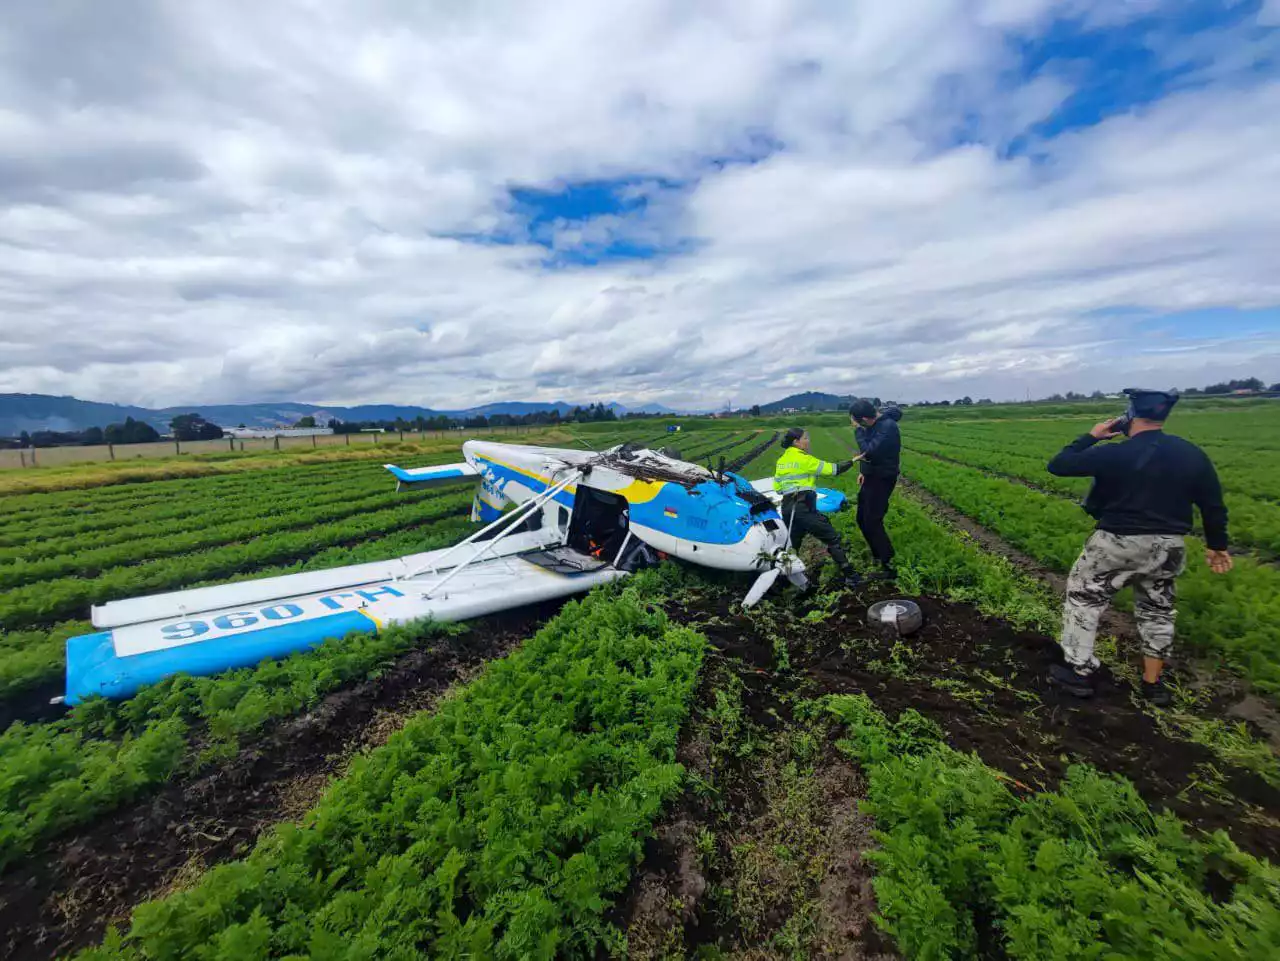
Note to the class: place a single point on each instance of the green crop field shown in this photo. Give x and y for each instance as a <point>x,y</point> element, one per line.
<point>649,771</point>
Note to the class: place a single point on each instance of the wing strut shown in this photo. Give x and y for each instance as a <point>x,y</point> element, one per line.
<point>516,515</point>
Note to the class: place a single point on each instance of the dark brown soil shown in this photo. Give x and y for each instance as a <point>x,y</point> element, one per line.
<point>63,897</point>
<point>33,706</point>
<point>986,684</point>
<point>763,856</point>
<point>1113,622</point>
<point>1228,694</point>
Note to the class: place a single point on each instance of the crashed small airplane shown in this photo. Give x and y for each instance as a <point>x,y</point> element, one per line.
<point>578,519</point>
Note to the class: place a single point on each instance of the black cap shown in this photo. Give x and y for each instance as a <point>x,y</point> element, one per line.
<point>1151,404</point>
<point>792,435</point>
<point>862,408</point>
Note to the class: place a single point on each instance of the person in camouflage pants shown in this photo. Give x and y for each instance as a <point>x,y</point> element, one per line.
<point>1150,563</point>
<point>1144,494</point>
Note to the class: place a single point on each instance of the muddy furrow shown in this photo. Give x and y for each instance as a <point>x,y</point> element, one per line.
<point>1230,695</point>
<point>763,855</point>
<point>986,684</point>
<point>63,896</point>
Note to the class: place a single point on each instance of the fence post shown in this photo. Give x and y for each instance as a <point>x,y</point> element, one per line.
<point>231,444</point>
<point>111,451</point>
<point>177,446</point>
<point>402,437</point>
<point>313,441</point>
<point>33,457</point>
<point>22,456</point>
<point>375,438</point>
<point>348,437</point>
<point>277,442</point>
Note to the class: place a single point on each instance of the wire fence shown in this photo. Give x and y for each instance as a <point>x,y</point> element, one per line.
<point>60,456</point>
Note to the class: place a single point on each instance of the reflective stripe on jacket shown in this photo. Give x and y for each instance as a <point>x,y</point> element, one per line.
<point>798,471</point>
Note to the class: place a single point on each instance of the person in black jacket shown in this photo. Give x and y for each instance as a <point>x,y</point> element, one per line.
<point>1142,498</point>
<point>880,445</point>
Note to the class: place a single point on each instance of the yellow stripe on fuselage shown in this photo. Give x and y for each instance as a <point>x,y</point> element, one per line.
<point>636,492</point>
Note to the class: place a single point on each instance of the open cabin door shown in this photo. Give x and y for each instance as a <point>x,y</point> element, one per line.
<point>599,524</point>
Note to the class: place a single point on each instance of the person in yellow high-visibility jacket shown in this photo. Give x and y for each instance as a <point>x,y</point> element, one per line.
<point>796,479</point>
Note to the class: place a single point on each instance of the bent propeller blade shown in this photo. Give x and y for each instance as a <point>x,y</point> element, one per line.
<point>760,587</point>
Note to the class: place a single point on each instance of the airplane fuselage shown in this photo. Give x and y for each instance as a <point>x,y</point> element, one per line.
<point>677,508</point>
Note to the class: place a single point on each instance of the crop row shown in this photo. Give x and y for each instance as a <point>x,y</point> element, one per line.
<point>706,444</point>
<point>966,868</point>
<point>70,508</point>
<point>1256,430</point>
<point>1254,523</point>
<point>31,658</point>
<point>500,826</point>
<point>1235,616</point>
<point>759,445</point>
<point>75,505</point>
<point>62,598</point>
<point>933,558</point>
<point>115,557</point>
<point>68,772</point>
<point>165,519</point>
<point>82,477</point>
<point>1241,471</point>
<point>1045,438</point>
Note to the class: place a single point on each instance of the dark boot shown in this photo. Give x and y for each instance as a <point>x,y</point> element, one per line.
<point>886,573</point>
<point>1156,693</point>
<point>850,579</point>
<point>1071,681</point>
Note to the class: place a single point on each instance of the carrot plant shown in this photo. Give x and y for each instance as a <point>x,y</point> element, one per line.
<point>1089,871</point>
<point>65,597</point>
<point>1234,617</point>
<point>502,825</point>
<point>103,753</point>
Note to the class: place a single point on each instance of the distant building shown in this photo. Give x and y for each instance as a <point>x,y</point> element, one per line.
<point>248,433</point>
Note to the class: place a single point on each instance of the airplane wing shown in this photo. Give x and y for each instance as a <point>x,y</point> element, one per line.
<point>437,476</point>
<point>829,501</point>
<point>206,630</point>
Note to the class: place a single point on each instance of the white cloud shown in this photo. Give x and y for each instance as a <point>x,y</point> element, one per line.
<point>221,201</point>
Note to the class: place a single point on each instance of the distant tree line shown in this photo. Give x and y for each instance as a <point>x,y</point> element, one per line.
<point>184,427</point>
<point>1253,384</point>
<point>592,413</point>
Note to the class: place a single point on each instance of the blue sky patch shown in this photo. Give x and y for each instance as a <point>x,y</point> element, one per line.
<point>1117,68</point>
<point>1213,323</point>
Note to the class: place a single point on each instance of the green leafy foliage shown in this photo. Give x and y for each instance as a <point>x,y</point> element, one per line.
<point>102,754</point>
<point>70,596</point>
<point>499,826</point>
<point>1236,617</point>
<point>1085,872</point>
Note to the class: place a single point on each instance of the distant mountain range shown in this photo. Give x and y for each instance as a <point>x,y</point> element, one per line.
<point>33,412</point>
<point>809,399</point>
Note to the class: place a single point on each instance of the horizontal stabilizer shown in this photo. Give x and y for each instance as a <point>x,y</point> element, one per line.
<point>829,501</point>
<point>436,476</point>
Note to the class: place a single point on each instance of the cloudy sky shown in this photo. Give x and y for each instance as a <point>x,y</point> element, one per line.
<point>452,203</point>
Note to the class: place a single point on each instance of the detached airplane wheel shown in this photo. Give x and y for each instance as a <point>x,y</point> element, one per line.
<point>900,616</point>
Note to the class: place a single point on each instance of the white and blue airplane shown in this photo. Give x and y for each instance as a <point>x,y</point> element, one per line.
<point>578,519</point>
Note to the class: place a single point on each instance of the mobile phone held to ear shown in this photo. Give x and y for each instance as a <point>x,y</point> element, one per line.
<point>1122,424</point>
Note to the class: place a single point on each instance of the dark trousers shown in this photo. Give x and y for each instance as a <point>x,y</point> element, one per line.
<point>803,517</point>
<point>873,504</point>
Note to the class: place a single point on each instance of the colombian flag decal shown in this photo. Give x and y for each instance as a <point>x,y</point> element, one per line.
<point>670,512</point>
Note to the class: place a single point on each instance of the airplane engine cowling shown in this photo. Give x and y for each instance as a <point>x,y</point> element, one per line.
<point>488,503</point>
